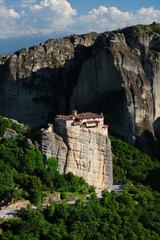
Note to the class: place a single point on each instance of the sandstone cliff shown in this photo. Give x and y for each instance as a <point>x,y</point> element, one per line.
<point>83,152</point>
<point>117,73</point>
<point>53,145</point>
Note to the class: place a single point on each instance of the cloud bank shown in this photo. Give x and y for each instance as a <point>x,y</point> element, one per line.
<point>29,17</point>
<point>103,19</point>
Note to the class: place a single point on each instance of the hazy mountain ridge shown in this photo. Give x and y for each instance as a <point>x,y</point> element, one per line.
<point>11,45</point>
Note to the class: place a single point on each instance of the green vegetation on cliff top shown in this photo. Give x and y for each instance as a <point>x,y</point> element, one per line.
<point>135,31</point>
<point>141,29</point>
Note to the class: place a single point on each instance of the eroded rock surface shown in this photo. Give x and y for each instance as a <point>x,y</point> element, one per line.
<point>83,152</point>
<point>36,82</point>
<point>10,134</point>
<point>53,145</point>
<point>117,73</point>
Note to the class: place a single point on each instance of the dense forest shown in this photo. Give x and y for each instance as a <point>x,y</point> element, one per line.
<point>132,215</point>
<point>23,173</point>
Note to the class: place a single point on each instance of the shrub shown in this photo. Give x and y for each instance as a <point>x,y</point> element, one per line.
<point>52,163</point>
<point>4,124</point>
<point>64,195</point>
<point>36,197</point>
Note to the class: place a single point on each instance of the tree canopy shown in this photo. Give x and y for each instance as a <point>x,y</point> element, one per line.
<point>132,215</point>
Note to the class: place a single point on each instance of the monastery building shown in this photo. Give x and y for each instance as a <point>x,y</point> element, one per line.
<point>89,120</point>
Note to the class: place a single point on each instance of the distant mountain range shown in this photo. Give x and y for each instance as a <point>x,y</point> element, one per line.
<point>11,45</point>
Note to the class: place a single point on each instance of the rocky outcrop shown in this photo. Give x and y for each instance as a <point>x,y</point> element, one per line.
<point>28,142</point>
<point>89,155</point>
<point>53,145</point>
<point>10,134</point>
<point>83,152</point>
<point>116,73</point>
<point>52,197</point>
<point>17,205</point>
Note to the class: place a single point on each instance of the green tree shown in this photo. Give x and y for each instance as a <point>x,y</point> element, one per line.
<point>52,163</point>
<point>4,124</point>
<point>6,179</point>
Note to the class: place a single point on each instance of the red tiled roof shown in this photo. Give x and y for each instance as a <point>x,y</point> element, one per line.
<point>64,117</point>
<point>79,116</point>
<point>105,126</point>
<point>88,115</point>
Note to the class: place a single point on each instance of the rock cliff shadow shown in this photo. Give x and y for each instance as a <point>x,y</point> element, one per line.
<point>113,104</point>
<point>38,97</point>
<point>153,179</point>
<point>156,127</point>
<point>147,143</point>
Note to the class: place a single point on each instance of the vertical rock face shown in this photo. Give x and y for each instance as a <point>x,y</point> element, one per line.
<point>84,152</point>
<point>53,145</point>
<point>89,155</point>
<point>117,73</point>
<point>115,80</point>
<point>36,82</point>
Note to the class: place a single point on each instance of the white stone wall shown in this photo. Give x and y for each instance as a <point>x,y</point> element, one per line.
<point>62,125</point>
<point>69,123</point>
<point>94,119</point>
<point>92,124</point>
<point>105,131</point>
<point>50,128</point>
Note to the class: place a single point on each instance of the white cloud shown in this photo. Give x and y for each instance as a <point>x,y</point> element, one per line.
<point>57,13</point>
<point>8,19</point>
<point>103,19</point>
<point>6,13</point>
<point>33,16</point>
<point>35,7</point>
<point>27,3</point>
<point>23,13</point>
<point>47,16</point>
<point>50,15</point>
<point>100,11</point>
<point>13,14</point>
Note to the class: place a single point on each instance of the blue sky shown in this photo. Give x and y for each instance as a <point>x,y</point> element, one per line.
<point>84,6</point>
<point>23,17</point>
